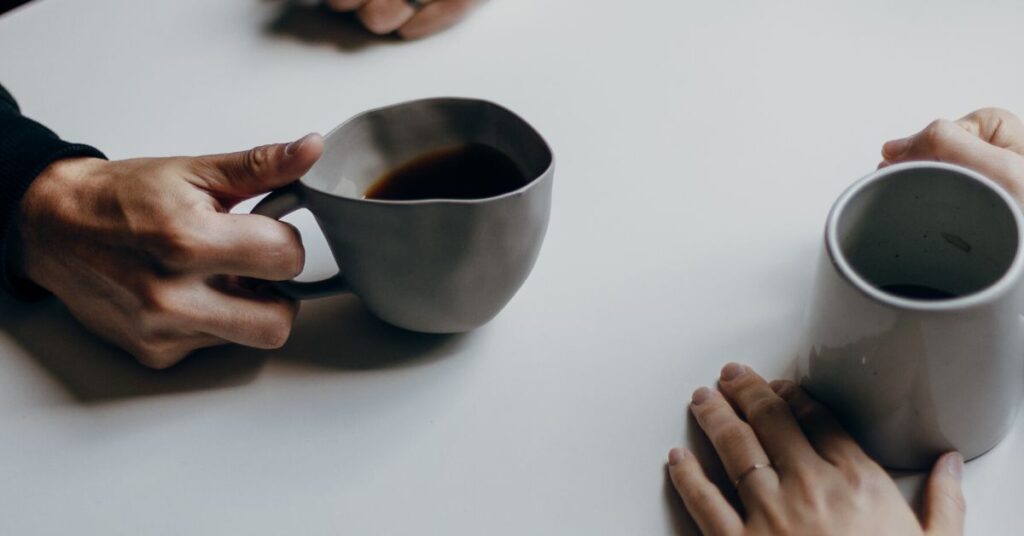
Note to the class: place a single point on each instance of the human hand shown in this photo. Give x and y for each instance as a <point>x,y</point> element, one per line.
<point>145,254</point>
<point>412,19</point>
<point>797,471</point>
<point>990,141</point>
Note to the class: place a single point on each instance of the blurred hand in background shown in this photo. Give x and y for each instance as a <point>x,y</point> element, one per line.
<point>411,19</point>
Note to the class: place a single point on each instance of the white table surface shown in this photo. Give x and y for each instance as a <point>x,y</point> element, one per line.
<point>699,147</point>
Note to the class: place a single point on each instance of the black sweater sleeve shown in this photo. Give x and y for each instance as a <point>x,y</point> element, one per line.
<point>26,148</point>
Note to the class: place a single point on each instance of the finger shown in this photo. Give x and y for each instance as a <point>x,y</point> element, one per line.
<point>713,514</point>
<point>237,244</point>
<point>436,16</point>
<point>166,350</point>
<point>735,443</point>
<point>159,349</point>
<point>997,126</point>
<point>250,319</point>
<point>946,141</point>
<point>824,431</point>
<point>345,5</point>
<point>235,176</point>
<point>944,505</point>
<point>385,16</point>
<point>256,246</point>
<point>771,419</point>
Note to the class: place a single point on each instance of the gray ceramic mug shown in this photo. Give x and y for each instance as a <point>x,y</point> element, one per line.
<point>914,330</point>
<point>431,265</point>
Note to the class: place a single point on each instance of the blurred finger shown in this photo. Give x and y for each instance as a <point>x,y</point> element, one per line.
<point>997,126</point>
<point>946,141</point>
<point>436,16</point>
<point>736,445</point>
<point>345,5</point>
<point>944,505</point>
<point>825,433</point>
<point>385,16</point>
<point>713,514</point>
<point>770,417</point>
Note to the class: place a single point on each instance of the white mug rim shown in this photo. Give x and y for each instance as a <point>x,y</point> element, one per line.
<point>996,290</point>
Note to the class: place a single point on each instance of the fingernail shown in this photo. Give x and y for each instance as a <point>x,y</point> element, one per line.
<point>675,456</point>
<point>954,463</point>
<point>894,148</point>
<point>701,396</point>
<point>294,146</point>
<point>732,371</point>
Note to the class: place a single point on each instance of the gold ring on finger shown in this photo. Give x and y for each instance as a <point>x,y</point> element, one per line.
<point>749,470</point>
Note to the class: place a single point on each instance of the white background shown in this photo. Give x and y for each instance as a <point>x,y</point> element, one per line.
<point>699,146</point>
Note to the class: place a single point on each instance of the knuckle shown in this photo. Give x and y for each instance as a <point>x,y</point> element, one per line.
<point>994,113</point>
<point>176,246</point>
<point>284,249</point>
<point>768,408</point>
<point>938,132</point>
<point>805,410</point>
<point>732,437</point>
<point>159,355</point>
<point>274,337</point>
<point>808,488</point>
<point>275,333</point>
<point>150,321</point>
<point>786,389</point>
<point>857,477</point>
<point>257,160</point>
<point>153,299</point>
<point>376,20</point>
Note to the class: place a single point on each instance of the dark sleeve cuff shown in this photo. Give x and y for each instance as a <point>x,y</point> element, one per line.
<point>26,149</point>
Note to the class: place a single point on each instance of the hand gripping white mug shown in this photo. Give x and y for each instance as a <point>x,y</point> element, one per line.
<point>428,265</point>
<point>914,334</point>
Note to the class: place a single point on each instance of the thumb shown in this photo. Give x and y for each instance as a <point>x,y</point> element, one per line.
<point>948,141</point>
<point>260,169</point>
<point>944,505</point>
<point>997,126</point>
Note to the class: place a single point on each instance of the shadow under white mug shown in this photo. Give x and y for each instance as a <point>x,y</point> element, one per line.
<point>429,265</point>
<point>914,334</point>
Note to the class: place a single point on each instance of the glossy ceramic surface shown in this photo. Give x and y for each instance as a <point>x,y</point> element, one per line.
<point>914,378</point>
<point>432,265</point>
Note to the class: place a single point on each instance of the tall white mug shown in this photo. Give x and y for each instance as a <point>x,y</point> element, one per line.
<point>914,333</point>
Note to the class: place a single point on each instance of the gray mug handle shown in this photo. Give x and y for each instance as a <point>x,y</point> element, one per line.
<point>277,205</point>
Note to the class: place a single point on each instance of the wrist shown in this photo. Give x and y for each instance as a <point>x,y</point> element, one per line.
<point>53,191</point>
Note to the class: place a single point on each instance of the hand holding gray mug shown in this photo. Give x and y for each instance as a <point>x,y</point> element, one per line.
<point>436,265</point>
<point>915,336</point>
<point>914,330</point>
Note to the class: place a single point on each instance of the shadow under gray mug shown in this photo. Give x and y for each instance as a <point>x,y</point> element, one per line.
<point>914,335</point>
<point>430,265</point>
